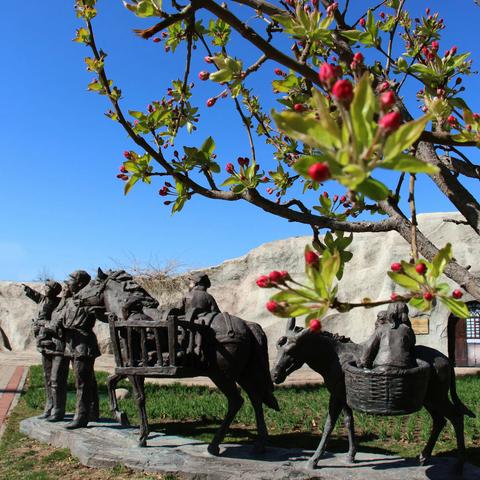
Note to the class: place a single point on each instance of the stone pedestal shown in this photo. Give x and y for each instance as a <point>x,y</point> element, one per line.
<point>106,444</point>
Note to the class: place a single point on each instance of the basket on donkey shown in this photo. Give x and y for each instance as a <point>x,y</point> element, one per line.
<point>396,392</point>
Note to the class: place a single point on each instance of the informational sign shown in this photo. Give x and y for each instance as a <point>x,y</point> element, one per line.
<point>420,325</point>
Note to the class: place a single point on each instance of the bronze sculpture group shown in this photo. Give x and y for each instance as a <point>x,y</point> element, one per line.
<point>194,338</point>
<point>64,334</point>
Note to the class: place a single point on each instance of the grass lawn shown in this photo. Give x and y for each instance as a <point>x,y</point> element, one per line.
<point>196,412</point>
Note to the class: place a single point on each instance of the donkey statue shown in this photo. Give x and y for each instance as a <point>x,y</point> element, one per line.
<point>327,354</point>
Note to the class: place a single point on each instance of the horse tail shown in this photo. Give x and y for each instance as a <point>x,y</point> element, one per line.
<point>260,360</point>
<point>456,401</point>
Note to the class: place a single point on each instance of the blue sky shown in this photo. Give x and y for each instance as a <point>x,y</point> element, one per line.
<point>64,209</point>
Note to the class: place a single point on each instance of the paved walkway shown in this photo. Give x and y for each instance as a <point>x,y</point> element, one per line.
<point>12,379</point>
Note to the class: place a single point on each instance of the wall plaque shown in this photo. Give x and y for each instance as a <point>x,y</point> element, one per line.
<point>420,325</point>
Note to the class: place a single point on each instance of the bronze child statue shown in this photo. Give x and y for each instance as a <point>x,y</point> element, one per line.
<point>392,344</point>
<point>77,320</point>
<point>51,344</point>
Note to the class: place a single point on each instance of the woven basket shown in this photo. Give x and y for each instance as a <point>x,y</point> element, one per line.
<point>386,393</point>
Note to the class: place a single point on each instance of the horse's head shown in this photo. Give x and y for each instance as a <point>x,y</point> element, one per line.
<point>92,294</point>
<point>290,356</point>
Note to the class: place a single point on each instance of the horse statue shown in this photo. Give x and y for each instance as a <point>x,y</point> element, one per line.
<point>327,354</point>
<point>236,350</point>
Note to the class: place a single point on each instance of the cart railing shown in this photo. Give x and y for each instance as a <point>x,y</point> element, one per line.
<point>134,342</point>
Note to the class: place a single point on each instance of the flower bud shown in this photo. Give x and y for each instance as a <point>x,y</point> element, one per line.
<point>342,91</point>
<point>264,282</point>
<point>390,122</point>
<point>387,100</point>
<point>358,57</point>
<point>273,306</point>
<point>315,325</point>
<point>319,172</point>
<point>327,74</point>
<point>311,258</point>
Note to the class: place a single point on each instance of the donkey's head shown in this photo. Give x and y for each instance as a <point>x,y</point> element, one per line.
<point>290,352</point>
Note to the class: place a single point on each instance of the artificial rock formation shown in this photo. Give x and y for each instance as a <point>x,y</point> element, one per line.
<point>234,288</point>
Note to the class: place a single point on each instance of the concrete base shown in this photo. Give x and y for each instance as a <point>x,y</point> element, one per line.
<point>106,444</point>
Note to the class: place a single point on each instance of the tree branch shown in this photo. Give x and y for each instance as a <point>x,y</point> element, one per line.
<point>255,39</point>
<point>453,270</point>
<point>170,20</point>
<point>466,204</point>
<point>444,138</point>
<point>468,169</point>
<point>253,197</point>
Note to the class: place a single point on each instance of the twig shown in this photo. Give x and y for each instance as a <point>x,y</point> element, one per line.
<point>392,35</point>
<point>399,186</point>
<point>413,211</point>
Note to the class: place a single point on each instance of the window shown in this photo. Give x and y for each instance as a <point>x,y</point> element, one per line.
<point>473,324</point>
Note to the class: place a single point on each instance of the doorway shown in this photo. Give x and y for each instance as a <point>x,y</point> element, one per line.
<point>464,338</point>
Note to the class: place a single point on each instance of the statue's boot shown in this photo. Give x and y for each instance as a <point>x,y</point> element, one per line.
<point>77,423</point>
<point>45,414</point>
<point>59,398</point>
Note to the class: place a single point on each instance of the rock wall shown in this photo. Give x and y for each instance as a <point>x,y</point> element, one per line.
<point>233,284</point>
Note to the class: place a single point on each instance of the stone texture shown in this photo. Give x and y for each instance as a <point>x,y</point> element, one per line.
<point>107,445</point>
<point>236,292</point>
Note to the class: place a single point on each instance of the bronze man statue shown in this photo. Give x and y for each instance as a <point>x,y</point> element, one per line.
<point>52,347</point>
<point>197,297</point>
<point>78,319</point>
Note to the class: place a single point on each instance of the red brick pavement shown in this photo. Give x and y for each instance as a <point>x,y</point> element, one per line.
<point>8,394</point>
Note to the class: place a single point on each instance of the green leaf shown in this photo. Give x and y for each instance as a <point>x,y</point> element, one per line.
<point>440,261</point>
<point>409,269</point>
<point>230,181</point>
<point>146,9</point>
<point>362,110</point>
<point>459,59</point>
<point>95,86</point>
<point>407,163</point>
<point>330,266</point>
<point>371,24</point>
<point>208,146</point>
<point>426,73</point>
<point>223,75</point>
<point>137,115</point>
<point>304,127</point>
<point>457,307</point>
<point>179,204</point>
<point>404,281</point>
<point>374,189</point>
<point>291,298</point>
<point>318,282</point>
<point>297,311</point>
<point>420,304</point>
<point>131,182</point>
<point>404,137</point>
<point>353,35</point>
